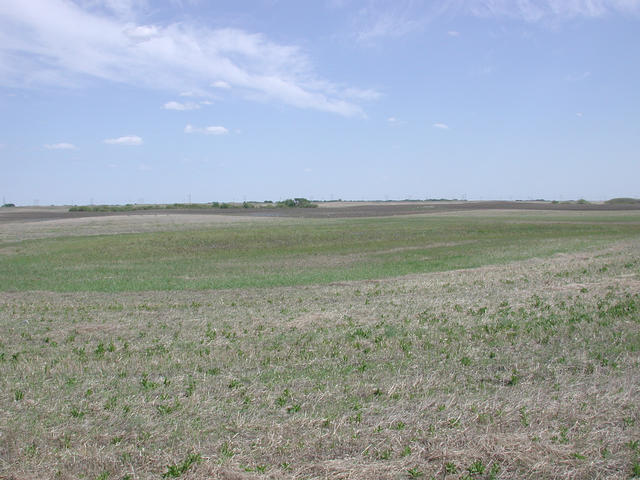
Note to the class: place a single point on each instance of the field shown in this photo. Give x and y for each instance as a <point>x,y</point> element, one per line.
<point>389,341</point>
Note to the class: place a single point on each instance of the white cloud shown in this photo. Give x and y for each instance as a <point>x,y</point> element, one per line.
<point>212,130</point>
<point>395,121</point>
<point>62,43</point>
<point>129,140</point>
<point>61,146</point>
<point>453,33</point>
<point>141,33</point>
<point>181,106</point>
<point>442,126</point>
<point>579,114</point>
<point>220,84</point>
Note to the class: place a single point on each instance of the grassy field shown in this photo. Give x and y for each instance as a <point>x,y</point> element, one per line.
<point>299,252</point>
<point>462,346</point>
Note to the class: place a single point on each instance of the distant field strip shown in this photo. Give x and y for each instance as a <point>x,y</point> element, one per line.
<point>301,252</point>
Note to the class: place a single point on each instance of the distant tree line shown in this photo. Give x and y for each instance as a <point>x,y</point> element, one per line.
<point>288,203</point>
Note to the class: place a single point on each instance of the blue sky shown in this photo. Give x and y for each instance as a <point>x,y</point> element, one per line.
<point>120,101</point>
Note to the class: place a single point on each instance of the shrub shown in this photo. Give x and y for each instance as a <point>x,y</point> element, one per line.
<point>297,203</point>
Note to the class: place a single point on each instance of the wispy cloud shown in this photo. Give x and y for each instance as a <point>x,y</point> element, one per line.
<point>212,130</point>
<point>393,19</point>
<point>577,77</point>
<point>379,19</point>
<point>128,140</point>
<point>368,95</point>
<point>62,43</point>
<point>61,146</point>
<point>442,126</point>
<point>181,106</point>
<point>542,10</point>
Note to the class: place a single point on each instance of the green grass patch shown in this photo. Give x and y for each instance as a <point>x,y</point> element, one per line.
<point>298,253</point>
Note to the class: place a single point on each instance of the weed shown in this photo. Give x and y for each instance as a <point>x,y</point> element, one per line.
<point>226,451</point>
<point>450,468</point>
<point>146,383</point>
<point>176,470</point>
<point>476,468</point>
<point>385,455</point>
<point>524,416</point>
<point>76,412</point>
<point>167,409</point>
<point>111,403</point>
<point>191,387</point>
<point>415,472</point>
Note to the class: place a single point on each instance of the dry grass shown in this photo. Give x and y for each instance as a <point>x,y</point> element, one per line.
<point>526,370</point>
<point>15,231</point>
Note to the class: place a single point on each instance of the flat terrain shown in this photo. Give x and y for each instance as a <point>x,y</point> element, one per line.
<point>325,210</point>
<point>460,343</point>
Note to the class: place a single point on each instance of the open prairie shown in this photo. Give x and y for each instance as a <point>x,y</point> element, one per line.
<point>420,341</point>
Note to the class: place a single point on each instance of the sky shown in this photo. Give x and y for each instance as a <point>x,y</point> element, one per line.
<point>141,101</point>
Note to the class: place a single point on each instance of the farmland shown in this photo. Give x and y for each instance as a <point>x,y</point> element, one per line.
<point>414,342</point>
